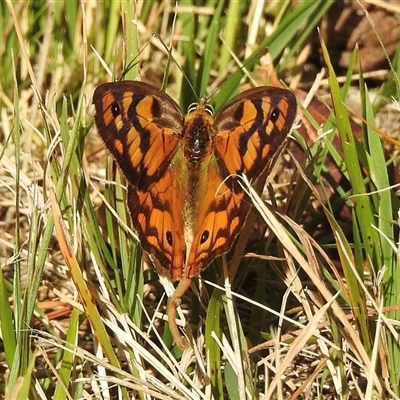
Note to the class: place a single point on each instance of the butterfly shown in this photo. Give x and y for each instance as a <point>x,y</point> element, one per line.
<point>183,172</point>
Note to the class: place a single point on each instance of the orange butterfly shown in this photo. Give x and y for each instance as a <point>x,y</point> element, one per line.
<point>184,194</point>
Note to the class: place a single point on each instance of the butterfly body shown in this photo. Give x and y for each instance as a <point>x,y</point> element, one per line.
<point>198,135</point>
<point>184,194</point>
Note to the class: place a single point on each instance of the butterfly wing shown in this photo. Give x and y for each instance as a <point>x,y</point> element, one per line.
<point>220,217</point>
<point>142,128</point>
<point>251,128</point>
<point>157,214</point>
<point>247,132</point>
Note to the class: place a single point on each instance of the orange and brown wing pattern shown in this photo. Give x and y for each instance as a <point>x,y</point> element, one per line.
<point>157,214</point>
<point>220,218</point>
<point>250,129</point>
<point>182,173</point>
<point>247,132</point>
<point>141,126</point>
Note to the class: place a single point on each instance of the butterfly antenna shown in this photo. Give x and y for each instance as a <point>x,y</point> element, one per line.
<point>242,66</point>
<point>135,61</point>
<point>131,65</point>
<point>169,50</point>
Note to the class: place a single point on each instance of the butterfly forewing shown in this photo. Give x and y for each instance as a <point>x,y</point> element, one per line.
<point>141,126</point>
<point>250,129</point>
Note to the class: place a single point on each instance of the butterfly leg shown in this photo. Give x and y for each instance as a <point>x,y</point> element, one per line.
<point>175,302</point>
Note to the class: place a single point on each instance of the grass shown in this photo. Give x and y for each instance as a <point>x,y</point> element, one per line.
<point>310,312</point>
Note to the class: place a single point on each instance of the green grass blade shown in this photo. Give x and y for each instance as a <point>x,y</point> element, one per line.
<point>208,57</point>
<point>131,56</point>
<point>230,33</point>
<point>212,324</point>
<point>68,357</point>
<point>362,206</point>
<point>7,322</point>
<point>362,211</point>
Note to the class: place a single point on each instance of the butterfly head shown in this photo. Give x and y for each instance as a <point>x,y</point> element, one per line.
<point>198,131</point>
<point>201,106</point>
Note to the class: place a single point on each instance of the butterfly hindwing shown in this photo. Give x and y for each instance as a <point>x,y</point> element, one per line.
<point>157,215</point>
<point>221,215</point>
